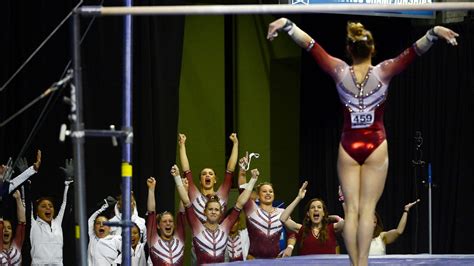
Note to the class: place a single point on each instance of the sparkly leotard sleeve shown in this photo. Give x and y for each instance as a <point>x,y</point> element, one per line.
<point>363,130</point>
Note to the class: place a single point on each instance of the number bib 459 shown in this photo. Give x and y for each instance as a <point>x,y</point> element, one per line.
<point>362,119</point>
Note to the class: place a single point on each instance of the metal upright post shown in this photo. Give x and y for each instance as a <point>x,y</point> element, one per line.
<point>127,143</point>
<point>77,135</point>
<point>430,222</point>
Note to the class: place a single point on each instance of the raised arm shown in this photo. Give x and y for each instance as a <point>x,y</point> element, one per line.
<point>243,164</point>
<point>151,224</point>
<point>91,220</point>
<point>183,194</point>
<point>20,209</point>
<point>181,223</point>
<point>234,154</point>
<point>326,62</point>
<point>285,216</point>
<point>63,205</point>
<point>245,195</point>
<point>392,67</point>
<point>183,157</point>
<point>68,173</point>
<point>301,38</point>
<point>151,184</point>
<point>392,235</point>
<point>21,215</point>
<point>25,171</point>
<point>435,33</point>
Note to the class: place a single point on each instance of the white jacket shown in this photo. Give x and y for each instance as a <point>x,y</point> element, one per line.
<point>47,240</point>
<point>135,218</point>
<point>108,252</point>
<point>93,239</point>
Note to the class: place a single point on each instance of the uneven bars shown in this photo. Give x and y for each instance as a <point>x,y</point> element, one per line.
<point>268,9</point>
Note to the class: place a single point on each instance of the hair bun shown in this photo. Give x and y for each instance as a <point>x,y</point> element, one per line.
<point>356,31</point>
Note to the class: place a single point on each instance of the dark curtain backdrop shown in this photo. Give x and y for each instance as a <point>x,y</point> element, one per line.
<point>433,96</point>
<point>157,62</point>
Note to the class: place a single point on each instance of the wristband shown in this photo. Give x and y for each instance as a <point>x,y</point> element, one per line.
<point>431,35</point>
<point>290,246</point>
<point>251,182</point>
<point>178,181</point>
<point>288,27</point>
<point>405,211</point>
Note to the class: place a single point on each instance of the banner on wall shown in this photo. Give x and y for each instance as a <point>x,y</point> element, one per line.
<point>411,14</point>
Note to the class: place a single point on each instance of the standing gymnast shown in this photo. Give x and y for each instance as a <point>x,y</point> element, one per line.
<point>263,220</point>
<point>166,243</point>
<point>210,237</point>
<point>362,158</point>
<point>10,254</point>
<point>208,178</point>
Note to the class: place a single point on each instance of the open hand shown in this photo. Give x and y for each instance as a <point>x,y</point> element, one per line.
<point>447,34</point>
<point>275,27</point>
<point>37,164</point>
<point>302,191</point>
<point>409,205</point>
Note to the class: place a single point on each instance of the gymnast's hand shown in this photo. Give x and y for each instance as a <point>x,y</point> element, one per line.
<point>244,162</point>
<point>17,194</point>
<point>233,138</point>
<point>302,191</point>
<point>409,205</point>
<point>286,253</point>
<point>181,139</point>
<point>447,34</point>
<point>275,27</point>
<point>151,183</point>
<point>174,170</point>
<point>37,164</point>
<point>255,173</point>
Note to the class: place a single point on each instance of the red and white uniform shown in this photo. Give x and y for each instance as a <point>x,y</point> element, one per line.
<point>210,246</point>
<point>238,246</point>
<point>12,256</point>
<point>166,252</point>
<point>199,200</point>
<point>264,230</point>
<point>363,101</point>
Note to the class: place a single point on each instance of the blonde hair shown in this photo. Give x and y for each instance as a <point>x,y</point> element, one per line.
<point>259,186</point>
<point>359,40</point>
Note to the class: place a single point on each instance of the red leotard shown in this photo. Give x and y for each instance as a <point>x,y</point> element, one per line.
<point>367,96</point>
<point>199,200</point>
<point>210,246</point>
<point>166,252</point>
<point>12,256</point>
<point>264,230</point>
